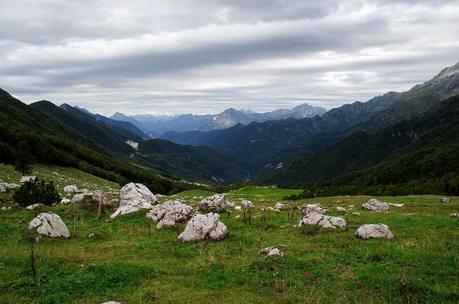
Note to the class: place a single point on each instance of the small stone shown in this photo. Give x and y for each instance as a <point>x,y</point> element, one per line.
<point>247,204</point>
<point>454,215</point>
<point>28,178</point>
<point>71,189</point>
<point>323,221</point>
<point>273,250</point>
<point>279,207</point>
<point>33,206</point>
<point>445,199</point>
<point>313,208</point>
<point>341,209</point>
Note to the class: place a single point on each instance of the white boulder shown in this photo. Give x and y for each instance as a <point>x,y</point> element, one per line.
<point>247,204</point>
<point>313,208</point>
<point>65,201</point>
<point>49,224</point>
<point>374,231</point>
<point>279,206</point>
<point>70,189</point>
<point>323,221</point>
<point>204,226</point>
<point>216,203</point>
<point>5,187</point>
<point>170,213</point>
<point>273,250</point>
<point>28,178</point>
<point>33,206</point>
<point>134,197</point>
<point>85,197</point>
<point>375,205</point>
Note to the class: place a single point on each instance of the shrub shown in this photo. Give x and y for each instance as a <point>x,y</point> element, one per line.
<point>34,192</point>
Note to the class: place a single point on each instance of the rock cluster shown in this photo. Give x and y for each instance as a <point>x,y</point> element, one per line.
<point>216,203</point>
<point>323,221</point>
<point>170,213</point>
<point>204,226</point>
<point>375,205</point>
<point>369,231</point>
<point>134,197</point>
<point>49,224</point>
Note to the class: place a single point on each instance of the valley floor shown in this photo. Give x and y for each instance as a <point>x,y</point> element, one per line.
<point>129,261</point>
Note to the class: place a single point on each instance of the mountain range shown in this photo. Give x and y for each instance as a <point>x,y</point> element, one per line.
<point>156,125</point>
<point>392,143</point>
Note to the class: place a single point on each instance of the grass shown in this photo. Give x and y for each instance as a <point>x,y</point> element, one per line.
<point>125,262</point>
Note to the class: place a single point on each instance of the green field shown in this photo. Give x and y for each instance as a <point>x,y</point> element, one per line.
<point>129,261</point>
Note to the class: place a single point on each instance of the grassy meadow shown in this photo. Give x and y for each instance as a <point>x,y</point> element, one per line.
<point>129,261</point>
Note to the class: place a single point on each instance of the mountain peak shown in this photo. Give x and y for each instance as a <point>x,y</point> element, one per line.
<point>448,72</point>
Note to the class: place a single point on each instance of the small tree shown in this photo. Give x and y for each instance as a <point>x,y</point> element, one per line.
<point>34,192</point>
<point>24,158</point>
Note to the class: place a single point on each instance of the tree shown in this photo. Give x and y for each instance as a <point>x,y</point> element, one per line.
<point>24,158</point>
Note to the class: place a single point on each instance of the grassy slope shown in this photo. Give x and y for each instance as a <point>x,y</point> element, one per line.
<point>320,266</point>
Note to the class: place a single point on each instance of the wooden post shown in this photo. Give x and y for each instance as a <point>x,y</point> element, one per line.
<point>99,208</point>
<point>74,219</point>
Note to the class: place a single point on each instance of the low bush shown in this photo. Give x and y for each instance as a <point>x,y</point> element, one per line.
<point>34,192</point>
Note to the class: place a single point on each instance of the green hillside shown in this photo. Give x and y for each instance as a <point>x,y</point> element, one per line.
<point>421,149</point>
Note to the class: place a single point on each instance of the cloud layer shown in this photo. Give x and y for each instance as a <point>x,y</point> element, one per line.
<point>205,56</point>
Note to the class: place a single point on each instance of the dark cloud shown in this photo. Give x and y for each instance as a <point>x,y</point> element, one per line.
<point>204,56</point>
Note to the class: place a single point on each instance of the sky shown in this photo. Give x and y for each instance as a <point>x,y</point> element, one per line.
<point>171,57</point>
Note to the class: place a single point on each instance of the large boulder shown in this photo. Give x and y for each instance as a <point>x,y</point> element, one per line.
<point>49,224</point>
<point>323,221</point>
<point>70,189</point>
<point>216,203</point>
<point>204,226</point>
<point>170,213</point>
<point>313,208</point>
<point>134,197</point>
<point>375,205</point>
<point>369,231</point>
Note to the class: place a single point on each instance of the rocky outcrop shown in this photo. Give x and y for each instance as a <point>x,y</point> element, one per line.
<point>216,203</point>
<point>313,208</point>
<point>323,221</point>
<point>70,189</point>
<point>375,205</point>
<point>204,226</point>
<point>134,197</point>
<point>369,231</point>
<point>49,224</point>
<point>170,213</point>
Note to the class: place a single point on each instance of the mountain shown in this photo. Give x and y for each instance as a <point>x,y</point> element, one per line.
<point>257,143</point>
<point>54,142</point>
<point>163,157</point>
<point>126,125</point>
<point>189,122</point>
<point>412,151</point>
<point>111,138</point>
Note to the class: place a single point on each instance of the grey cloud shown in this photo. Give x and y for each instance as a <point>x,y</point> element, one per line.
<point>204,56</point>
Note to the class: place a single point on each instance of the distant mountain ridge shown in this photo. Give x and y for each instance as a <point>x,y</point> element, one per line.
<point>156,125</point>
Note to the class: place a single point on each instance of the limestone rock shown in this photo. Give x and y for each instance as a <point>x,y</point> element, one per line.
<point>170,213</point>
<point>33,206</point>
<point>216,203</point>
<point>323,221</point>
<point>279,206</point>
<point>49,224</point>
<point>341,209</point>
<point>65,201</point>
<point>375,205</point>
<point>83,198</point>
<point>273,250</point>
<point>445,199</point>
<point>5,187</point>
<point>313,208</point>
<point>70,189</point>
<point>247,204</point>
<point>28,178</point>
<point>454,215</point>
<point>374,231</point>
<point>134,197</point>
<point>204,226</point>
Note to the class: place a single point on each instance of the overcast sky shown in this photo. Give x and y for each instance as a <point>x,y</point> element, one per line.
<point>203,56</point>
